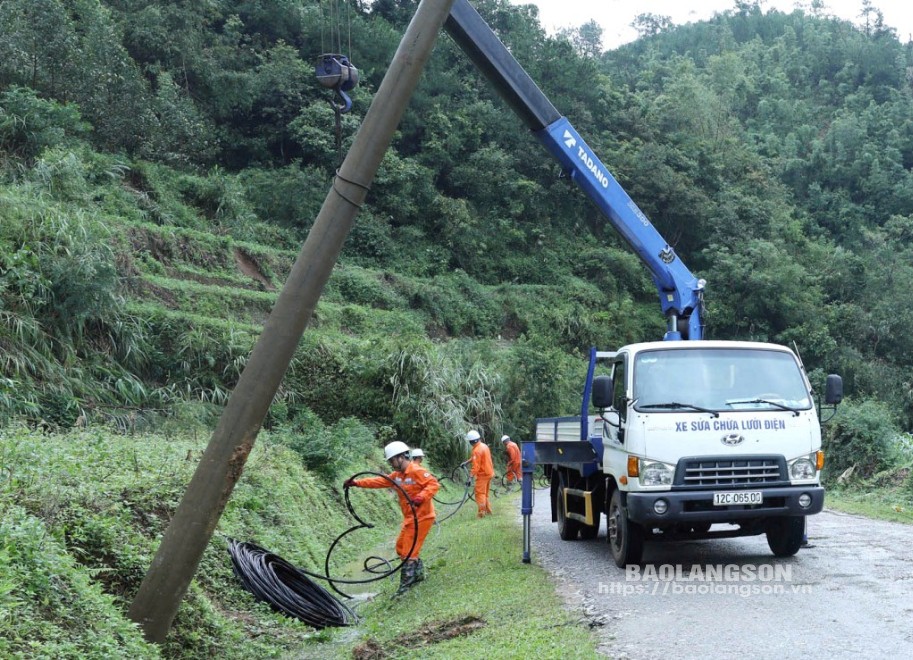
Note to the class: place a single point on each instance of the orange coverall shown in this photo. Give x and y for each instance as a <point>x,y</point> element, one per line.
<point>416,481</point>
<point>483,471</point>
<point>513,461</point>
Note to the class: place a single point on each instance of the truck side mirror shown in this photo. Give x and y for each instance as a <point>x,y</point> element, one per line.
<point>833,390</point>
<point>602,392</point>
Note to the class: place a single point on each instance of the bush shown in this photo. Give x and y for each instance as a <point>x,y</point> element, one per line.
<point>540,380</point>
<point>326,450</point>
<point>456,304</point>
<point>441,391</point>
<point>364,287</point>
<point>290,197</point>
<point>47,592</point>
<point>908,482</point>
<point>56,260</point>
<point>862,435</point>
<point>28,124</point>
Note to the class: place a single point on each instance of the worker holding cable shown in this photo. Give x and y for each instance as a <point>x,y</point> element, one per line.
<point>483,470</point>
<point>416,488</point>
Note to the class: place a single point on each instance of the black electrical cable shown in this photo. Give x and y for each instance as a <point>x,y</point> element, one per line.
<point>365,525</point>
<point>275,581</point>
<point>462,471</point>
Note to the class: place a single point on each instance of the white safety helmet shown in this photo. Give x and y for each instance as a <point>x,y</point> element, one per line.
<point>473,436</point>
<point>417,453</point>
<point>505,438</point>
<point>395,448</point>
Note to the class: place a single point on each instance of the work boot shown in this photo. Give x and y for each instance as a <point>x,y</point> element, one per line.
<point>406,578</point>
<point>419,571</point>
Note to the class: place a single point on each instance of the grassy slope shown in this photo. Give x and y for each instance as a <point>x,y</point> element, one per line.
<point>94,504</point>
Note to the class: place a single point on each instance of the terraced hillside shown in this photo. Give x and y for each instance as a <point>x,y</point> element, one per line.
<point>393,349</point>
<point>133,292</point>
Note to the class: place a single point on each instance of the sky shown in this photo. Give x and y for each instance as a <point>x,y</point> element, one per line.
<point>615,16</point>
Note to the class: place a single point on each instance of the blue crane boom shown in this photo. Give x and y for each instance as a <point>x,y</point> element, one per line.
<point>680,291</point>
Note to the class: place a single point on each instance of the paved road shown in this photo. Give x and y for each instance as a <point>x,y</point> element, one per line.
<point>848,594</point>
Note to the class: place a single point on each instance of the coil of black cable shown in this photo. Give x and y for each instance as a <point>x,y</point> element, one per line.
<point>288,590</point>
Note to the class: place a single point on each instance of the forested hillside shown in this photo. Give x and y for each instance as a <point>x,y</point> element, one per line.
<point>162,162</point>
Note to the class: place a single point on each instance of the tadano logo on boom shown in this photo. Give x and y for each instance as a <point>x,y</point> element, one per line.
<point>570,142</point>
<point>592,167</point>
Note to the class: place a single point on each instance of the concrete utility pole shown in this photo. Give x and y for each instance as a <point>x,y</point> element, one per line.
<point>196,517</point>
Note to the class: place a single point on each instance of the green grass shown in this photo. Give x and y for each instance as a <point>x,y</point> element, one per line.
<point>223,278</point>
<point>209,299</point>
<point>81,514</point>
<point>882,504</point>
<point>475,579</point>
<point>150,310</point>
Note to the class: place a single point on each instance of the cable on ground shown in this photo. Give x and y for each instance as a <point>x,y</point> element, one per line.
<point>288,590</point>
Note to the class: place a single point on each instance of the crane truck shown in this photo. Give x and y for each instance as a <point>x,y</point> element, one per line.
<point>677,439</point>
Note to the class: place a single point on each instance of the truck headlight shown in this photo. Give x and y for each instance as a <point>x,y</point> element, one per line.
<point>653,473</point>
<point>802,469</point>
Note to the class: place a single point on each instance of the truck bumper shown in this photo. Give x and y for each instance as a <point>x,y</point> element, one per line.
<point>697,506</point>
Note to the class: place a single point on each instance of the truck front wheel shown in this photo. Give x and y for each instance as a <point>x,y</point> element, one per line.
<point>785,535</point>
<point>626,538</point>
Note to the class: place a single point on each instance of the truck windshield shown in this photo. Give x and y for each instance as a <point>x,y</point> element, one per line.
<point>719,379</point>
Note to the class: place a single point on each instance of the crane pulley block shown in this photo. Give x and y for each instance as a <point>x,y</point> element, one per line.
<point>335,71</point>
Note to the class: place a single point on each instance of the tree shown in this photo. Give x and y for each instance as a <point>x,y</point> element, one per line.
<point>648,25</point>
<point>40,46</point>
<point>587,39</point>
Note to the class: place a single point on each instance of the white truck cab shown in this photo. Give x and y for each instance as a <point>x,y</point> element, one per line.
<point>690,435</point>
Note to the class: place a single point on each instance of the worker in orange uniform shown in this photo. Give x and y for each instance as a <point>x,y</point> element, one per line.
<point>482,469</point>
<point>513,458</point>
<point>420,487</point>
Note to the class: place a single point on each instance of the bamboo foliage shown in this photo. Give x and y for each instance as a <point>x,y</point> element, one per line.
<point>439,397</point>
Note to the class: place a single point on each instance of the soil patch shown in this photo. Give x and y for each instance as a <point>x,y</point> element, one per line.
<point>430,633</point>
<point>248,265</point>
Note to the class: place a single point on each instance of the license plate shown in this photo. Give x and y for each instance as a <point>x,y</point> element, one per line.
<point>727,499</point>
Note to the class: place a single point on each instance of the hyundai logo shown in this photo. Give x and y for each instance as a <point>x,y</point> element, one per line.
<point>732,439</point>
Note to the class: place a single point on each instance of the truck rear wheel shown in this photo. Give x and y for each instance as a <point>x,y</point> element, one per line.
<point>626,538</point>
<point>567,528</point>
<point>785,535</point>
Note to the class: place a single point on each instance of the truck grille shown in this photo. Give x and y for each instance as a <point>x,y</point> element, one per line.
<point>728,471</point>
